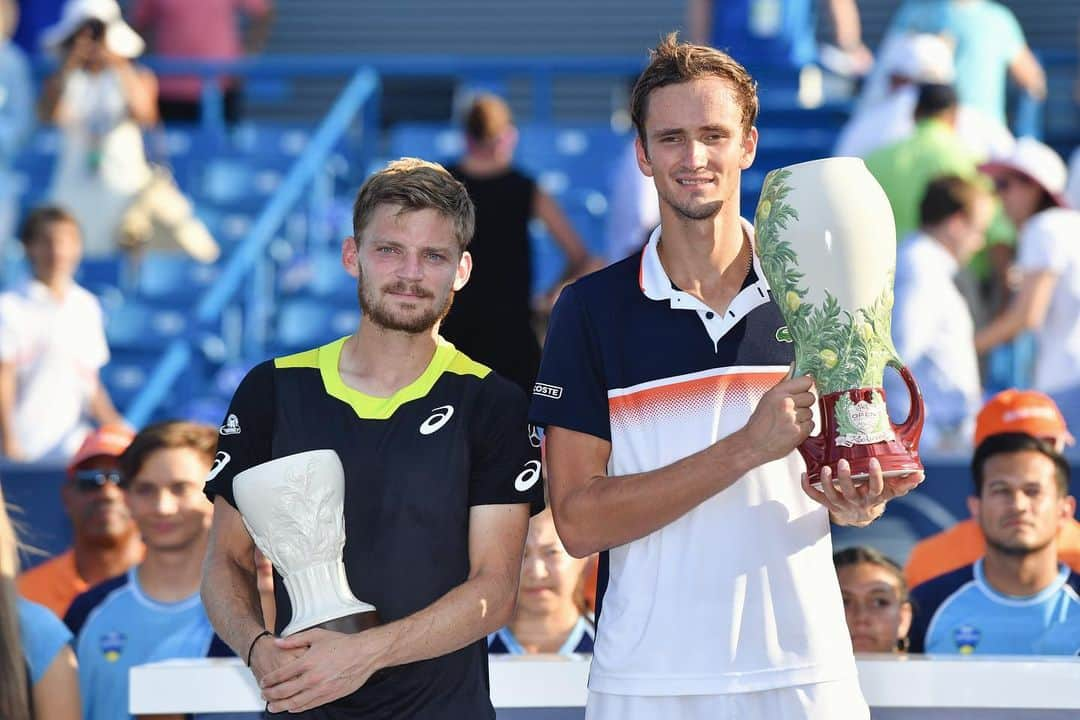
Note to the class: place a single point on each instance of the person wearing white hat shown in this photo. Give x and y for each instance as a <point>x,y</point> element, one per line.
<point>100,100</point>
<point>910,60</point>
<point>1031,183</point>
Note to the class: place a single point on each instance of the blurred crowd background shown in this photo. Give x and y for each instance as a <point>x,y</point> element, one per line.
<point>176,177</point>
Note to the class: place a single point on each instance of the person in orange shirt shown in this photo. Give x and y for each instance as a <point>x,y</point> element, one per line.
<point>106,541</point>
<point>1010,411</point>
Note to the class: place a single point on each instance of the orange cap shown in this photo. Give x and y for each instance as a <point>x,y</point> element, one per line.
<point>1021,411</point>
<point>107,440</point>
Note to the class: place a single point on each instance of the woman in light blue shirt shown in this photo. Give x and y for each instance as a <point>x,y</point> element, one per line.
<point>38,676</point>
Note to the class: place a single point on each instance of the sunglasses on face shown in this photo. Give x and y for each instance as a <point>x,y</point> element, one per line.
<point>1004,182</point>
<point>91,480</point>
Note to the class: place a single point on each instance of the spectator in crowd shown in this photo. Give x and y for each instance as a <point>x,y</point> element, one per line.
<point>634,210</point>
<point>106,541</point>
<point>932,326</point>
<point>905,168</point>
<point>550,616</point>
<point>876,600</point>
<point>917,59</point>
<point>38,675</point>
<point>1018,598</point>
<point>989,45</point>
<point>203,30</point>
<point>1072,187</point>
<point>16,117</point>
<point>153,611</point>
<point>52,345</point>
<point>1031,182</point>
<point>1010,411</point>
<point>100,100</point>
<point>776,33</point>
<point>498,295</point>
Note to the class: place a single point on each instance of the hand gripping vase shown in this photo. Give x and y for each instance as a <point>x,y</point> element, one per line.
<point>827,243</point>
<point>294,509</point>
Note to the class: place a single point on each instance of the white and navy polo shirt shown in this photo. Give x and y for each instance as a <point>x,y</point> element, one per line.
<point>739,594</point>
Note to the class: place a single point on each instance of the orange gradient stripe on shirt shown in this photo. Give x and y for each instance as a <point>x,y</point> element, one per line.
<point>734,388</point>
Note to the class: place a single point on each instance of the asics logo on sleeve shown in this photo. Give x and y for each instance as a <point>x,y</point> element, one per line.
<point>439,417</point>
<point>527,477</point>
<point>220,461</point>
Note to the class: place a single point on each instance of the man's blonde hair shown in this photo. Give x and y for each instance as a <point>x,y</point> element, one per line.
<point>414,184</point>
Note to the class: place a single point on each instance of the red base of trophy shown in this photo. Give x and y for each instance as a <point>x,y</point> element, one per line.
<point>896,448</point>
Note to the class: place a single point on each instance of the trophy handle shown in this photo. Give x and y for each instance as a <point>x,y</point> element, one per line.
<point>909,430</point>
<point>813,447</point>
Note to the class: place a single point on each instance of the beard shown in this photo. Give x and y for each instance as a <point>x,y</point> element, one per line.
<point>1016,548</point>
<point>378,311</point>
<point>704,211</point>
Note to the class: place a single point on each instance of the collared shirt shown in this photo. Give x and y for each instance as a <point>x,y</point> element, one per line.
<point>934,335</point>
<point>54,583</point>
<point>905,168</point>
<point>961,613</point>
<point>738,594</point>
<point>579,641</point>
<point>57,347</point>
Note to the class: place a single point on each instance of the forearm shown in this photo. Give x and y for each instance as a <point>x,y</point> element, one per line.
<point>141,101</point>
<point>49,103</point>
<point>102,408</point>
<point>7,407</point>
<point>231,599</point>
<point>1000,330</point>
<point>609,511</point>
<point>472,610</point>
<point>846,23</point>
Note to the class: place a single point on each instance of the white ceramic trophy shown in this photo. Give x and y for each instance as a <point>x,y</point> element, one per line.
<point>827,243</point>
<point>293,507</point>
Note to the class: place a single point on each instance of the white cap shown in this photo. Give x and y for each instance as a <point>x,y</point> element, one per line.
<point>119,37</point>
<point>921,58</point>
<point>1036,161</point>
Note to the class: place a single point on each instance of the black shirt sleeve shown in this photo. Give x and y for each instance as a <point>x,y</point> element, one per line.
<point>570,390</point>
<point>504,449</point>
<point>247,432</point>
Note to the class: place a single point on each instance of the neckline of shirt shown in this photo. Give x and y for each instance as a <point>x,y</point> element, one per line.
<point>1001,598</point>
<point>656,285</point>
<point>143,599</point>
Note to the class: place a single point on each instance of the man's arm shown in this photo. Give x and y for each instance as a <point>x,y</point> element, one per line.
<point>699,20</point>
<point>259,30</point>
<point>594,511</point>
<point>1027,311</point>
<point>1028,73</point>
<point>230,593</point>
<point>335,664</point>
<point>10,444</point>
<point>101,405</point>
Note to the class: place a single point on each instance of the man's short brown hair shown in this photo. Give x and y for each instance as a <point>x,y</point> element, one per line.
<point>414,184</point>
<point>673,62</point>
<point>40,218</point>
<point>947,195</point>
<point>163,436</point>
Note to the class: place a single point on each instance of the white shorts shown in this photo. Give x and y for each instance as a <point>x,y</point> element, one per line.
<point>838,700</point>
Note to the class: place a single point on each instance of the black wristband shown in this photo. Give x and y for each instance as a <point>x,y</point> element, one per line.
<point>251,647</point>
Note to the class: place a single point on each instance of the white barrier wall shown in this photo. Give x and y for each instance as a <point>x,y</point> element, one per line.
<point>522,687</point>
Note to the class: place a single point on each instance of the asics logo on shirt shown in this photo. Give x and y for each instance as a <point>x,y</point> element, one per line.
<point>439,417</point>
<point>527,477</point>
<point>220,461</point>
<point>231,426</point>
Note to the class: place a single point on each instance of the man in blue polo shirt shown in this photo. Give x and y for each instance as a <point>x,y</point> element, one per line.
<point>671,429</point>
<point>1018,598</point>
<point>153,611</point>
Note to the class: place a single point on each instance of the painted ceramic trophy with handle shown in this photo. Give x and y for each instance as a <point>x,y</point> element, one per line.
<point>827,242</point>
<point>293,507</point>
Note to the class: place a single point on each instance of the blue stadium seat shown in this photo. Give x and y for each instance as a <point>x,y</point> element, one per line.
<point>306,322</point>
<point>172,278</point>
<point>139,326</point>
